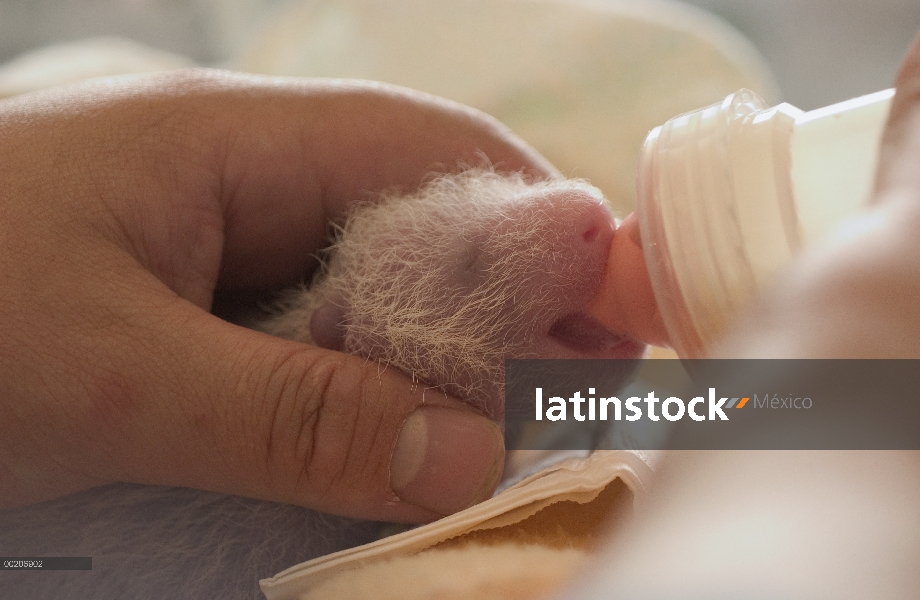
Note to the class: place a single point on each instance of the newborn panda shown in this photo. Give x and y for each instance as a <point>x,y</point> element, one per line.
<point>447,283</point>
<point>443,284</point>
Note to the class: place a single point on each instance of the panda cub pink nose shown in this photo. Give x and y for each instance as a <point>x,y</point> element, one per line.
<point>593,231</point>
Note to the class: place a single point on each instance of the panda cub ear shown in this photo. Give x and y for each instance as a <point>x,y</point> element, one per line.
<point>307,314</point>
<point>328,326</point>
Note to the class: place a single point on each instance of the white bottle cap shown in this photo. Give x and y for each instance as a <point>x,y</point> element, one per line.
<point>716,213</point>
<point>728,193</point>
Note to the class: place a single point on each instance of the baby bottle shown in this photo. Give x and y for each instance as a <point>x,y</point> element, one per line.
<point>726,195</point>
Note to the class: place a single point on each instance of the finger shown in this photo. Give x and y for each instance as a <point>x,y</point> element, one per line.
<point>179,397</point>
<point>342,141</point>
<point>273,160</point>
<point>204,175</point>
<point>900,150</point>
<point>142,380</point>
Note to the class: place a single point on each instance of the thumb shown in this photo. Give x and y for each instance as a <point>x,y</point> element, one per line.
<point>897,174</point>
<point>237,411</point>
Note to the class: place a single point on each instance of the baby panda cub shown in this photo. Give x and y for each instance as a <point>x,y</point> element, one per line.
<point>444,284</point>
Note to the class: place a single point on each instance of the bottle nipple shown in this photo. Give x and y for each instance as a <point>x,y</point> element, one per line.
<point>625,301</point>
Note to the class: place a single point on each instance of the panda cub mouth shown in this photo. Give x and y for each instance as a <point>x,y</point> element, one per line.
<point>583,333</point>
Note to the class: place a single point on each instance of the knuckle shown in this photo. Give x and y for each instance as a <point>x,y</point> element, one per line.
<point>320,437</point>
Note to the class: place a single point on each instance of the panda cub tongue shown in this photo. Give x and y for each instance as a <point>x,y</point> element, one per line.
<point>625,301</point>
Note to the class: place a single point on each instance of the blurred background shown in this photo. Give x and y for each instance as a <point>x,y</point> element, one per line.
<point>820,51</point>
<point>581,80</point>
<point>824,51</point>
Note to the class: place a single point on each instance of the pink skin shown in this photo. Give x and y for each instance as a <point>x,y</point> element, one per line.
<point>547,289</point>
<point>625,300</point>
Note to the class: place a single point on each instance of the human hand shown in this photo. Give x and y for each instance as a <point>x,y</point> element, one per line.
<point>802,524</point>
<point>854,294</point>
<point>123,207</point>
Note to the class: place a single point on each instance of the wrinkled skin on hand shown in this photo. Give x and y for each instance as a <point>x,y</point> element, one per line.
<point>124,207</point>
<point>169,190</point>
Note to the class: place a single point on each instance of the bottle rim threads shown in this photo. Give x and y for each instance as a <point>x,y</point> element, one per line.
<point>727,194</point>
<point>715,204</point>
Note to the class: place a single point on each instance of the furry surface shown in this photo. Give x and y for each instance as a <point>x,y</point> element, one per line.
<point>443,284</point>
<point>447,283</point>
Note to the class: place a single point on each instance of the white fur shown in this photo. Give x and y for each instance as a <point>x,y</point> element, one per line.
<point>448,282</point>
